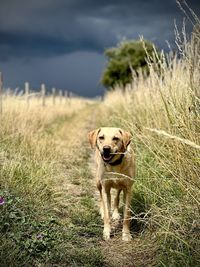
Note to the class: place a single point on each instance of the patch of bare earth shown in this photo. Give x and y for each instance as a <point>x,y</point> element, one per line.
<point>137,253</point>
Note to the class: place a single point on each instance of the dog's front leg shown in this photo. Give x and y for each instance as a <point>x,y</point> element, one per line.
<point>106,197</point>
<point>116,215</point>
<point>99,186</point>
<point>126,235</point>
<point>99,175</point>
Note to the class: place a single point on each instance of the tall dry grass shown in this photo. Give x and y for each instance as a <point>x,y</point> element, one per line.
<point>162,111</point>
<point>25,133</point>
<point>30,171</point>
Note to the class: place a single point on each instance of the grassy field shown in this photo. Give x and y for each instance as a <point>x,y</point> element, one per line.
<point>48,204</point>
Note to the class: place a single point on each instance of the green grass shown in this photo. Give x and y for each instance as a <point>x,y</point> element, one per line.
<point>26,220</point>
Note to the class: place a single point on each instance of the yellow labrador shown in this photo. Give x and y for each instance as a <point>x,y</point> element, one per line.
<point>115,169</point>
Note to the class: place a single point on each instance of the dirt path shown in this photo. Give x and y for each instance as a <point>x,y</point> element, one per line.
<point>79,207</point>
<point>72,142</point>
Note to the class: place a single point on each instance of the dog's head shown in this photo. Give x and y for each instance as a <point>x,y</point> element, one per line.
<point>109,141</point>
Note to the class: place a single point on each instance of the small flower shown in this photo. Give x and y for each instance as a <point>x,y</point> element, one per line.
<point>40,236</point>
<point>2,201</point>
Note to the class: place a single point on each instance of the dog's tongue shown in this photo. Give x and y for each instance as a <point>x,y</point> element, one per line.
<point>107,157</point>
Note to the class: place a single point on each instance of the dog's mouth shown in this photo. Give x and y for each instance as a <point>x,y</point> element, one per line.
<point>107,156</point>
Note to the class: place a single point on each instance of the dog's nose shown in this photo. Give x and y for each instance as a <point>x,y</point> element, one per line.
<point>106,149</point>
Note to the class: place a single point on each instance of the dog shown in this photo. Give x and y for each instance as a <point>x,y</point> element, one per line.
<point>115,169</point>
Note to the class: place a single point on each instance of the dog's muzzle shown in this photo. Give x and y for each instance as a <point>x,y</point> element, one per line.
<point>107,154</point>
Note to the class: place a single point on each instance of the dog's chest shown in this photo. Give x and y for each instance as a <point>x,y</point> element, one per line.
<point>116,173</point>
<point>109,168</point>
<point>115,179</point>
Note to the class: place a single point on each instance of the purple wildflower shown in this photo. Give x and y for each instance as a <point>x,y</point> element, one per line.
<point>2,201</point>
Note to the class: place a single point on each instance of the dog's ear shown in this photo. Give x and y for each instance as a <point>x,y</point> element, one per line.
<point>93,137</point>
<point>126,138</point>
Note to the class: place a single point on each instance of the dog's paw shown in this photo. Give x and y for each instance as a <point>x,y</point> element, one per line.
<point>106,234</point>
<point>115,215</point>
<point>126,237</point>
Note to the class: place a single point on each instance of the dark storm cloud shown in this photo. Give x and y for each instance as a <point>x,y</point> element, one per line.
<point>55,27</point>
<point>38,44</point>
<point>65,39</point>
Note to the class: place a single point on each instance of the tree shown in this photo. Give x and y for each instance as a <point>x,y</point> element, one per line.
<point>121,59</point>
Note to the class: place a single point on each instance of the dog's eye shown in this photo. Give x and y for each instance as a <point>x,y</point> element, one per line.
<point>115,138</point>
<point>101,137</point>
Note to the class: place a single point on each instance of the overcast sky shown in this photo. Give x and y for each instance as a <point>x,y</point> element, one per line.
<point>61,43</point>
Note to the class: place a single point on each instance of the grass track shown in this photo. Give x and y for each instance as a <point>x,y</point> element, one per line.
<point>78,208</point>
